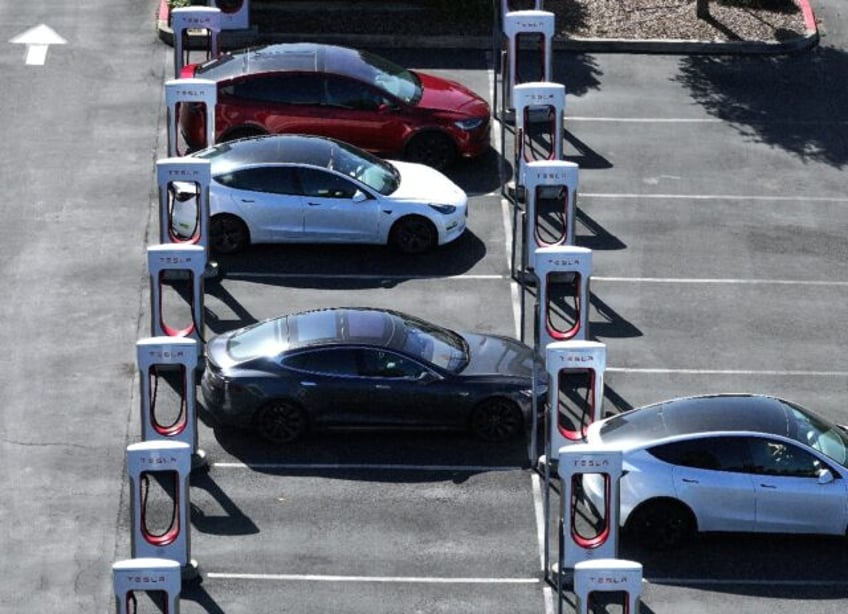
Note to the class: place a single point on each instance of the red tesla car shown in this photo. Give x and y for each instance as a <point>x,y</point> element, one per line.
<point>346,94</point>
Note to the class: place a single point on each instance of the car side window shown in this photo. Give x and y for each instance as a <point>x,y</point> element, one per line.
<point>348,94</point>
<point>338,362</point>
<point>381,363</point>
<point>270,179</point>
<point>293,89</point>
<point>715,453</point>
<point>773,457</point>
<point>322,184</point>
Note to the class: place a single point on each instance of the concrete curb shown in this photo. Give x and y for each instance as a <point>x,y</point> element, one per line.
<point>233,39</point>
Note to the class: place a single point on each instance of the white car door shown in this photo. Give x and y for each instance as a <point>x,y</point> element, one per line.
<point>710,476</point>
<point>267,199</point>
<point>794,495</point>
<point>335,210</point>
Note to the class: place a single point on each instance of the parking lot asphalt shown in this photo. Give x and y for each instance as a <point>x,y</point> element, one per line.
<point>711,190</point>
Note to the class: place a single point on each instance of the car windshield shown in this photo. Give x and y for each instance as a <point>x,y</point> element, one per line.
<point>391,78</point>
<point>819,434</point>
<point>267,338</point>
<point>439,346</point>
<point>377,174</point>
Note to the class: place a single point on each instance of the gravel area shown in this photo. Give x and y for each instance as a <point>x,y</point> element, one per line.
<point>746,20</point>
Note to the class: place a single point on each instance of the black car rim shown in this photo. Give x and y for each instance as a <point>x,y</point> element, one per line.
<point>281,422</point>
<point>496,421</point>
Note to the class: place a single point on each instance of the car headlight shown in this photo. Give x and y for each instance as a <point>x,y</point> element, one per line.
<point>469,124</point>
<point>443,209</point>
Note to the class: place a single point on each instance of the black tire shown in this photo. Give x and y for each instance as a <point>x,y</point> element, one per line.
<point>281,421</point>
<point>413,234</point>
<point>433,149</point>
<point>243,132</point>
<point>228,234</point>
<point>496,420</point>
<point>661,524</point>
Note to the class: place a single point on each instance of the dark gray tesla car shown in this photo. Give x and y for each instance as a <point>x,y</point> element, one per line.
<point>362,367</point>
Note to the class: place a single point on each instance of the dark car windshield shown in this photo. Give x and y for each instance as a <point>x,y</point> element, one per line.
<point>439,346</point>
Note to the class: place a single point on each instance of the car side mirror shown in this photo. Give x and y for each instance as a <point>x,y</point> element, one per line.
<point>359,196</point>
<point>825,476</point>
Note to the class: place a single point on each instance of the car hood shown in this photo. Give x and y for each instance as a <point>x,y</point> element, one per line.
<point>444,95</point>
<point>496,355</point>
<point>419,182</point>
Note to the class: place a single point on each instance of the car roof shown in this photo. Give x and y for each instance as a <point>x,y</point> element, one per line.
<point>699,414</point>
<point>271,149</point>
<point>299,57</point>
<point>338,326</point>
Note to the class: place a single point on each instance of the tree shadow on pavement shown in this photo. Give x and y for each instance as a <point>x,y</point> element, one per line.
<point>795,102</point>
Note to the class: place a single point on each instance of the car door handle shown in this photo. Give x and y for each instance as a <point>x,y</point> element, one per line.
<point>309,384</point>
<point>247,200</point>
<point>382,387</point>
<point>311,204</point>
<point>690,481</point>
<point>772,486</point>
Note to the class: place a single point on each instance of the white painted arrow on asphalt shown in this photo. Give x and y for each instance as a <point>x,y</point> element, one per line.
<point>37,41</point>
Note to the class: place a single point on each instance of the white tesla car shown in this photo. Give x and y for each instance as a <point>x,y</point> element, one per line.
<point>309,189</point>
<point>726,463</point>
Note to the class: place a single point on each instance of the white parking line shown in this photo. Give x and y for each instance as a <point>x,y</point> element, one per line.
<point>367,579</point>
<point>631,195</point>
<point>745,372</point>
<point>367,467</point>
<point>701,280</point>
<point>705,120</point>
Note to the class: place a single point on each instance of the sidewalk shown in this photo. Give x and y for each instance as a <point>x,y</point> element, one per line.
<point>233,39</point>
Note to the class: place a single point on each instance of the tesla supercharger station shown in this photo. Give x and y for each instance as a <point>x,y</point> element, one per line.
<point>588,526</point>
<point>235,14</point>
<point>184,19</point>
<point>177,355</point>
<point>519,26</point>
<point>197,172</point>
<point>538,102</point>
<point>180,92</point>
<point>608,577</point>
<point>166,259</point>
<point>562,274</point>
<point>575,390</point>
<point>550,197</point>
<point>160,524</point>
<point>146,575</point>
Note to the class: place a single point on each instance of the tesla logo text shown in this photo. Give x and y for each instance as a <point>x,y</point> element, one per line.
<point>196,93</point>
<point>564,261</point>
<point>174,260</point>
<point>579,358</point>
<point>166,354</point>
<point>202,22</point>
<point>608,580</point>
<point>147,579</point>
<point>590,462</point>
<point>158,460</point>
<point>531,24</point>
<point>552,177</point>
<point>182,172</point>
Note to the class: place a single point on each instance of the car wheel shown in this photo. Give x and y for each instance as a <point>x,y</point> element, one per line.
<point>242,133</point>
<point>413,235</point>
<point>433,149</point>
<point>661,525</point>
<point>281,421</point>
<point>228,234</point>
<point>496,420</point>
